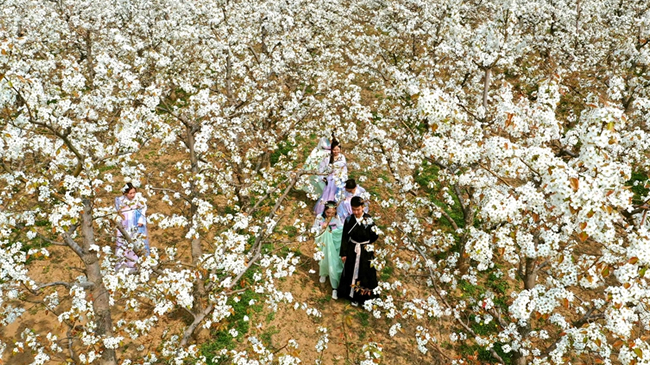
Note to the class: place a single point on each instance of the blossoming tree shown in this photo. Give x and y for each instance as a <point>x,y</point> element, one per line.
<point>508,140</point>
<point>533,159</point>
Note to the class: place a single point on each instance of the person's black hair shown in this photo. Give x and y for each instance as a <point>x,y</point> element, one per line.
<point>350,184</point>
<point>128,188</point>
<point>334,143</point>
<point>356,201</point>
<point>328,205</point>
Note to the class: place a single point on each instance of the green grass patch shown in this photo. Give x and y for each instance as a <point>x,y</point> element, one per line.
<point>222,339</point>
<point>285,147</point>
<point>267,337</point>
<point>290,231</point>
<point>386,273</point>
<point>364,318</point>
<point>640,186</point>
<point>28,244</point>
<point>483,355</point>
<point>426,174</point>
<point>230,210</point>
<point>481,328</point>
<point>427,178</point>
<point>282,150</point>
<point>467,288</point>
<point>270,317</point>
<point>500,287</point>
<point>104,168</point>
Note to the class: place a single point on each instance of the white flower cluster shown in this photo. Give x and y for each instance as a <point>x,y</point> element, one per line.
<point>112,342</point>
<point>323,340</point>
<point>479,248</point>
<point>31,340</point>
<point>438,106</point>
<point>372,353</point>
<point>387,305</point>
<point>314,312</point>
<point>423,337</point>
<point>637,353</point>
<point>177,287</point>
<point>394,329</point>
<point>288,360</point>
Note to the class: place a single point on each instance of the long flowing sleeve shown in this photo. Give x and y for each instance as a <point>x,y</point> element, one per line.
<point>361,192</point>
<point>142,219</point>
<point>317,154</point>
<point>344,237</point>
<point>323,166</point>
<point>316,227</point>
<point>341,169</point>
<point>336,223</point>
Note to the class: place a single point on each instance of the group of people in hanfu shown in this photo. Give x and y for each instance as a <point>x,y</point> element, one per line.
<point>345,232</point>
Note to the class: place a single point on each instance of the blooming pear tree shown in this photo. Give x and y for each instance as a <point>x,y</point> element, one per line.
<point>72,106</point>
<point>539,157</point>
<point>228,99</point>
<point>229,96</point>
<point>505,143</point>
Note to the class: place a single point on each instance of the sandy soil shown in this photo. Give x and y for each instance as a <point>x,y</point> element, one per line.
<point>349,327</point>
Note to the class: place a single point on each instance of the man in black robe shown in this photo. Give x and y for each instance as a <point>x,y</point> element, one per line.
<point>358,278</point>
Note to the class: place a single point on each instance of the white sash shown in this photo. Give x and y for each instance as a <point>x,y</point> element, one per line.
<point>357,250</point>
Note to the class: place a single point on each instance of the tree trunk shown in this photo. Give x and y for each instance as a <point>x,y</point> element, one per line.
<point>197,250</point>
<point>486,86</point>
<point>530,279</point>
<point>518,359</point>
<point>468,219</point>
<point>463,259</point>
<point>100,295</point>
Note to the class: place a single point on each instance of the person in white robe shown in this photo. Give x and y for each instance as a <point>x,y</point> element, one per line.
<point>132,209</point>
<point>352,189</point>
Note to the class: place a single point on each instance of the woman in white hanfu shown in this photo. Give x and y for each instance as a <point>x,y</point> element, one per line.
<point>336,168</point>
<point>132,208</point>
<point>329,230</point>
<point>313,184</point>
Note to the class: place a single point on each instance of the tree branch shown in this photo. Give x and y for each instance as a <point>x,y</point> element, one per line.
<point>577,324</point>
<point>444,301</point>
<point>486,86</point>
<point>197,320</point>
<point>85,285</point>
<point>449,218</point>
<point>257,245</point>
<point>71,243</point>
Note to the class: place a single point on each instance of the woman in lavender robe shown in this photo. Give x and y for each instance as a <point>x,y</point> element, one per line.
<point>132,208</point>
<point>336,168</point>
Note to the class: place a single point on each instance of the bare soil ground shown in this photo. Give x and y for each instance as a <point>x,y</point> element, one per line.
<point>349,327</point>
